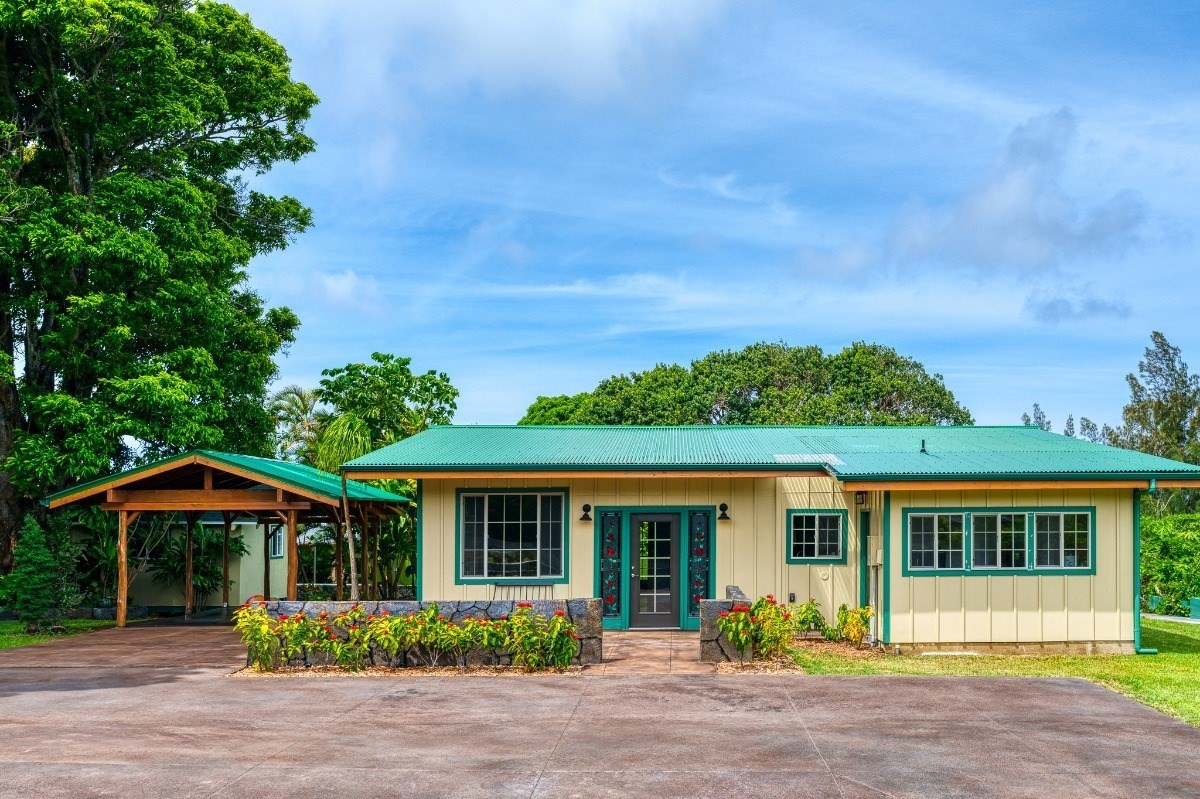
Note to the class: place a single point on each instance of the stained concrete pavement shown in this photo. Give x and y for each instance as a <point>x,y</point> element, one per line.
<point>190,730</point>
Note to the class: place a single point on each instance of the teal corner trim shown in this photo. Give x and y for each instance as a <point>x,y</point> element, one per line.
<point>566,558</point>
<point>420,543</point>
<point>686,622</point>
<point>1030,569</point>
<point>864,535</point>
<point>841,513</point>
<point>885,610</point>
<point>1137,576</point>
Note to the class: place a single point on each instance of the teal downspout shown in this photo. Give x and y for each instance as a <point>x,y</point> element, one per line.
<point>1137,573</point>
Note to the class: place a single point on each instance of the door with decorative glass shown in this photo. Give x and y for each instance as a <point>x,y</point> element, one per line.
<point>654,578</point>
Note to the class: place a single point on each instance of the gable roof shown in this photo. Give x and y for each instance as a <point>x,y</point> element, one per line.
<point>281,474</point>
<point>858,453</point>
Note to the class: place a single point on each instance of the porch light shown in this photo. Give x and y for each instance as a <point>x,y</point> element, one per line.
<point>860,497</point>
<point>587,513</point>
<point>724,517</point>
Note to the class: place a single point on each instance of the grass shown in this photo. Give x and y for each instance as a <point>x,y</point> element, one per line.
<point>1169,681</point>
<point>13,635</point>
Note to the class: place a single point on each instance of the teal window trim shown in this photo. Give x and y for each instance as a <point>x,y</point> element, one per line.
<point>1137,577</point>
<point>1030,569</point>
<point>686,622</point>
<point>843,520</point>
<point>459,579</point>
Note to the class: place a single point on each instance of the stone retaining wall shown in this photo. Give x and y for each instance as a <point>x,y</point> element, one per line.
<point>585,614</point>
<point>714,646</point>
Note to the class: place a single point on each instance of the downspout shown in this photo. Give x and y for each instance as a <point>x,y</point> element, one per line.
<point>1137,572</point>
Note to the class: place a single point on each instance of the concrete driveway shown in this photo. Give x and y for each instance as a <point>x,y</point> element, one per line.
<point>76,729</point>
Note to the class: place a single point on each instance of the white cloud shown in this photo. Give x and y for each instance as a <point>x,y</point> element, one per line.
<point>1019,217</point>
<point>1055,307</point>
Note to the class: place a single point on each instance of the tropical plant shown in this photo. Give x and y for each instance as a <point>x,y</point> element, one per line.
<point>536,643</point>
<point>298,418</point>
<point>808,618</point>
<point>130,134</point>
<point>1171,561</point>
<point>171,567</point>
<point>258,632</point>
<point>737,625</point>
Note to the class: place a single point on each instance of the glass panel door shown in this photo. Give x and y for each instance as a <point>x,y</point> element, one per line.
<point>654,589</point>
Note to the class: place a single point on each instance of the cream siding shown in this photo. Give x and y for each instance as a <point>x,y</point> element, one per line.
<point>980,608</point>
<point>750,553</point>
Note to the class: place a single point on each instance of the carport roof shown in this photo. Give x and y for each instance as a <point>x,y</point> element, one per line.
<point>276,473</point>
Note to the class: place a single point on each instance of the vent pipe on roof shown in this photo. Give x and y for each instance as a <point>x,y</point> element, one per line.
<point>923,452</point>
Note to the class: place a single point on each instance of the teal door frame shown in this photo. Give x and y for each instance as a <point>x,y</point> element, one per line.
<point>864,562</point>
<point>626,538</point>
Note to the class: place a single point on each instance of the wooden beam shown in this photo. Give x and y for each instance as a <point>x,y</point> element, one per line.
<point>1178,483</point>
<point>117,480</point>
<point>266,561</point>
<point>987,485</point>
<point>205,506</point>
<point>189,593</point>
<point>192,495</point>
<point>227,518</point>
<point>338,565</point>
<point>293,555</point>
<point>208,478</point>
<point>122,568</point>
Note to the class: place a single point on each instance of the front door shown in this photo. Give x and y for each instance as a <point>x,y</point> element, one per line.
<point>654,581</point>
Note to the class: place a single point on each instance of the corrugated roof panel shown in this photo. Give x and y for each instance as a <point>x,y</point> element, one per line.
<point>858,452</point>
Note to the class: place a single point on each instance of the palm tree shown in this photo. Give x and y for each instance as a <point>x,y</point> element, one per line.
<point>342,438</point>
<point>298,421</point>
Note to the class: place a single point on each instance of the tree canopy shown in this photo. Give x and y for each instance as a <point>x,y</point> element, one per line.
<point>129,132</point>
<point>766,383</point>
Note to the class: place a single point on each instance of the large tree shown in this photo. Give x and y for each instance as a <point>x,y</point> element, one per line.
<point>128,132</point>
<point>766,383</point>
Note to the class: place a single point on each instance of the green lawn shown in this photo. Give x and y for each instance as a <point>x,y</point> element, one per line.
<point>12,633</point>
<point>1169,681</point>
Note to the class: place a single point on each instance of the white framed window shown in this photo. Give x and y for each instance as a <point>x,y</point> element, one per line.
<point>1062,540</point>
<point>998,541</point>
<point>816,536</point>
<point>275,543</point>
<point>511,535</point>
<point>935,540</point>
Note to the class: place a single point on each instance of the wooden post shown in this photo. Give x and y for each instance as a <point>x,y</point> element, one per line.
<point>228,519</point>
<point>365,558</point>
<point>337,561</point>
<point>266,561</point>
<point>188,594</point>
<point>293,555</point>
<point>122,567</point>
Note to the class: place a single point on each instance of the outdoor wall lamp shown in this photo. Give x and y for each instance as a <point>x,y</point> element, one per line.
<point>587,514</point>
<point>724,517</point>
<point>860,497</point>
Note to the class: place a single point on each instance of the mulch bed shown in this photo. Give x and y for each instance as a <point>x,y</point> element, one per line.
<point>416,671</point>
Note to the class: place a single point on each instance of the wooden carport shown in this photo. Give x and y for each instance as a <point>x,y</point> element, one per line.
<point>201,481</point>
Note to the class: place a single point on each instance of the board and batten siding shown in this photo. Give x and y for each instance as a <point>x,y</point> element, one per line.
<point>1022,608</point>
<point>749,548</point>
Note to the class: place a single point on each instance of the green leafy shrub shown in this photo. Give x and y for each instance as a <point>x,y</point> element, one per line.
<point>852,624</point>
<point>774,627</point>
<point>1171,561</point>
<point>539,643</point>
<point>41,587</point>
<point>809,618</point>
<point>737,625</point>
<point>257,629</point>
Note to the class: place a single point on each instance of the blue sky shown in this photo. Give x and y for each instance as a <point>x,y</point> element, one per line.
<point>533,196</point>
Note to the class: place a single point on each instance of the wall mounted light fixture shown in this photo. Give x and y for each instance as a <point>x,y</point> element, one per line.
<point>724,512</point>
<point>587,514</point>
<point>860,497</point>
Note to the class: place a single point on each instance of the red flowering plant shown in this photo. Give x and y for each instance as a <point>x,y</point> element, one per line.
<point>537,643</point>
<point>352,648</point>
<point>738,628</point>
<point>298,636</point>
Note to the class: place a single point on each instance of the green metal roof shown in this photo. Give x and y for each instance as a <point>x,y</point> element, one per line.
<point>858,453</point>
<point>296,475</point>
